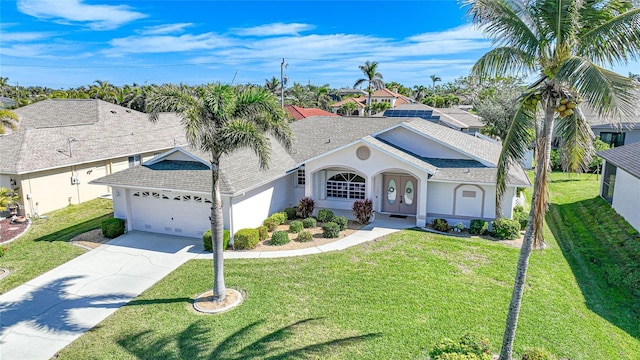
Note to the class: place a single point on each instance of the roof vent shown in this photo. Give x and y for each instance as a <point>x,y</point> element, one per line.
<point>128,110</point>
<point>113,111</point>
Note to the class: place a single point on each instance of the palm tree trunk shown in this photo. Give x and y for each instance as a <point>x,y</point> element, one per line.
<point>217,231</point>
<point>369,110</point>
<point>538,208</point>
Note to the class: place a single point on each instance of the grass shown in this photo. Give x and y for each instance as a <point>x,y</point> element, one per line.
<point>46,243</point>
<point>388,299</point>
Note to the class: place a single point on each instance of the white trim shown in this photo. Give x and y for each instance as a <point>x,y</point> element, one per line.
<point>398,157</point>
<point>157,159</point>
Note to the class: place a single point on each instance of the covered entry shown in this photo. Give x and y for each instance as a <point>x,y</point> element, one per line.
<point>399,194</point>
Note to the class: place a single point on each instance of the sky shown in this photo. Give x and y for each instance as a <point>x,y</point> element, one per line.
<point>68,43</point>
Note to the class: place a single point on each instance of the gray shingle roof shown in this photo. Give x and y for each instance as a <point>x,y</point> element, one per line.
<point>162,177</point>
<point>99,130</point>
<point>626,157</point>
<point>458,117</point>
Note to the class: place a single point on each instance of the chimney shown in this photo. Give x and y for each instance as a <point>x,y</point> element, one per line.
<point>395,89</point>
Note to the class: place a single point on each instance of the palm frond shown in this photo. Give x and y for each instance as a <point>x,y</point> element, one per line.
<point>359,82</point>
<point>239,133</point>
<point>503,61</point>
<point>576,142</point>
<point>616,41</point>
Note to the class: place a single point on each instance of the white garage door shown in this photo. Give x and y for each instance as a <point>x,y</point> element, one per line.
<point>173,213</point>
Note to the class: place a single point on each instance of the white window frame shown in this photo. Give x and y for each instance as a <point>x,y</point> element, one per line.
<point>346,189</point>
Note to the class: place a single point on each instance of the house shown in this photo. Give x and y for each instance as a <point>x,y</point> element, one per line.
<point>359,106</point>
<point>298,113</point>
<point>620,184</point>
<point>453,117</point>
<point>7,103</point>
<point>63,144</point>
<point>379,96</point>
<point>615,132</point>
<point>407,166</point>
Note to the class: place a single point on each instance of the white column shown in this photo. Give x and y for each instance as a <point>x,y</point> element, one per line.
<point>421,214</point>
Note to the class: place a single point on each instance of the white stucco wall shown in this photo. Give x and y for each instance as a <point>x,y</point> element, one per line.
<point>420,145</point>
<point>626,197</point>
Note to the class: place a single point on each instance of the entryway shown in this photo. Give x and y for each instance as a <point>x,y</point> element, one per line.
<point>399,194</point>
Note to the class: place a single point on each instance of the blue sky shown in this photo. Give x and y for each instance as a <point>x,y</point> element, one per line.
<point>68,43</point>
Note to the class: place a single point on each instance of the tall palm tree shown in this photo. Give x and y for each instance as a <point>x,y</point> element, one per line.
<point>8,119</point>
<point>419,92</point>
<point>272,85</point>
<point>565,42</point>
<point>434,79</point>
<point>373,79</point>
<point>220,119</point>
<point>102,90</point>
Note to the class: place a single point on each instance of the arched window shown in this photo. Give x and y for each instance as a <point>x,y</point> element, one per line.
<point>346,186</point>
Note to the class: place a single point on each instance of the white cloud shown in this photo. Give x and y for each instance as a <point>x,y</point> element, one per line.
<point>164,29</point>
<point>97,17</point>
<point>165,44</point>
<point>464,32</point>
<point>25,36</point>
<point>274,29</point>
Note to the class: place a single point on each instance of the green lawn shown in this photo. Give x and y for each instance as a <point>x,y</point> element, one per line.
<point>389,299</point>
<point>46,244</point>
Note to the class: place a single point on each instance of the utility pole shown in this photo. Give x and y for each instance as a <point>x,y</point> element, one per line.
<point>282,83</point>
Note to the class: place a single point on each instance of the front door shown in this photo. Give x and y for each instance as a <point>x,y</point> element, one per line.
<point>399,194</point>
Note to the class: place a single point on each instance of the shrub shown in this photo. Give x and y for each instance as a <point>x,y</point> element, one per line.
<point>263,233</point>
<point>304,236</point>
<point>330,230</point>
<point>207,240</point>
<point>325,215</point>
<point>270,223</point>
<point>522,218</point>
<point>536,354</point>
<point>478,227</point>
<point>279,217</point>
<point>295,226</point>
<point>440,225</point>
<point>279,238</point>
<point>340,220</point>
<point>309,223</point>
<point>246,239</point>
<point>112,228</point>
<point>469,347</point>
<point>291,213</point>
<point>305,207</point>
<point>506,229</point>
<point>363,210</point>
<point>3,250</point>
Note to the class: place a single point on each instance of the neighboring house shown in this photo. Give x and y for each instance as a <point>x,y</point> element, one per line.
<point>359,102</point>
<point>7,103</point>
<point>615,132</point>
<point>407,166</point>
<point>298,113</point>
<point>379,96</point>
<point>63,144</point>
<point>620,184</point>
<point>453,117</point>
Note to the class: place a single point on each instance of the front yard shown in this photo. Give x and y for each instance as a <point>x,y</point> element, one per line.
<point>395,297</point>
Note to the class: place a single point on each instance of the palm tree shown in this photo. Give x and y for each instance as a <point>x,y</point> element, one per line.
<point>348,108</point>
<point>565,42</point>
<point>102,90</point>
<point>434,79</point>
<point>419,92</point>
<point>372,77</point>
<point>272,85</point>
<point>220,119</point>
<point>8,119</point>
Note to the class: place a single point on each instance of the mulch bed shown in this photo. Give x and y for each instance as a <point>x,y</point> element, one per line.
<point>9,231</point>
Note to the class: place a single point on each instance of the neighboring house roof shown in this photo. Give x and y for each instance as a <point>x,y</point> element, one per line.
<point>298,113</point>
<point>385,93</point>
<point>625,157</point>
<point>602,122</point>
<point>618,126</point>
<point>6,102</point>
<point>453,117</point>
<point>358,101</point>
<point>93,129</point>
<point>351,92</point>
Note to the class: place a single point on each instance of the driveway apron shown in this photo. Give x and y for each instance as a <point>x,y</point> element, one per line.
<point>42,316</point>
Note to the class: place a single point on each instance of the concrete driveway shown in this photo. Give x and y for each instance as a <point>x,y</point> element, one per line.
<point>44,315</point>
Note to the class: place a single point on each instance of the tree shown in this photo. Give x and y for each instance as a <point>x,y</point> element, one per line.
<point>373,79</point>
<point>401,89</point>
<point>8,198</point>
<point>319,95</point>
<point>419,92</point>
<point>497,104</point>
<point>348,108</point>
<point>102,90</point>
<point>272,85</point>
<point>219,119</point>
<point>298,95</point>
<point>8,119</point>
<point>434,78</point>
<point>565,42</point>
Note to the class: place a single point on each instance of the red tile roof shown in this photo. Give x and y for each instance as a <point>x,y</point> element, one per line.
<point>358,101</point>
<point>298,113</point>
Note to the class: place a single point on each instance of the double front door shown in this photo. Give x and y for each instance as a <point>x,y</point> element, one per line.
<point>399,194</point>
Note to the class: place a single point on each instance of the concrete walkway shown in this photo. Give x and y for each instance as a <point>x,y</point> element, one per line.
<point>44,315</point>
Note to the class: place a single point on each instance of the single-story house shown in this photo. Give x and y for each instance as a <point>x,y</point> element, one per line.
<point>620,184</point>
<point>297,112</point>
<point>617,134</point>
<point>391,97</point>
<point>406,166</point>
<point>63,144</point>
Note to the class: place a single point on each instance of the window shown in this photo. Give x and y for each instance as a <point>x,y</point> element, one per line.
<point>468,193</point>
<point>134,160</point>
<point>613,139</point>
<point>300,176</point>
<point>609,182</point>
<point>346,186</point>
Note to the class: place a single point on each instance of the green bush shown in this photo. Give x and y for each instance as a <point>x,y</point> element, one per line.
<point>304,236</point>
<point>478,227</point>
<point>291,213</point>
<point>279,217</point>
<point>279,238</point>
<point>536,354</point>
<point>112,228</point>
<point>325,215</point>
<point>295,226</point>
<point>305,207</point>
<point>469,347</point>
<point>246,239</point>
<point>330,230</point>
<point>506,229</point>
<point>342,221</point>
<point>270,223</point>
<point>263,232</point>
<point>207,240</point>
<point>522,218</point>
<point>440,225</point>
<point>309,223</point>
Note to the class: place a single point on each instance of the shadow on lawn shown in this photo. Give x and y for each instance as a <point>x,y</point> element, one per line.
<point>72,231</point>
<point>195,341</point>
<point>592,238</point>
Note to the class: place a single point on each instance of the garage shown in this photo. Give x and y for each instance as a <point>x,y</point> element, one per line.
<point>167,212</point>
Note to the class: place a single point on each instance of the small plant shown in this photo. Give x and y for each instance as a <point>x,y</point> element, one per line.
<point>246,239</point>
<point>279,238</point>
<point>469,347</point>
<point>112,228</point>
<point>207,240</point>
<point>279,217</point>
<point>536,354</point>
<point>342,221</point>
<point>263,233</point>
<point>522,218</point>
<point>291,213</point>
<point>4,249</point>
<point>506,229</point>
<point>458,227</point>
<point>440,225</point>
<point>325,215</point>
<point>309,223</point>
<point>295,226</point>
<point>478,227</point>
<point>330,230</point>
<point>305,207</point>
<point>363,210</point>
<point>304,236</point>
<point>270,223</point>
